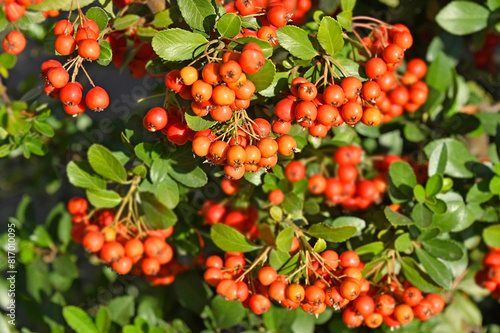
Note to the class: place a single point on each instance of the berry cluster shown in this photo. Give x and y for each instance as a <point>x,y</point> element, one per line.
<point>332,280</point>
<point>350,102</point>
<point>489,276</point>
<point>238,142</point>
<point>15,42</point>
<point>394,94</point>
<point>349,188</point>
<point>333,285</point>
<point>56,76</point>
<point>393,305</point>
<point>15,9</point>
<point>271,15</point>
<point>122,246</point>
<point>243,220</point>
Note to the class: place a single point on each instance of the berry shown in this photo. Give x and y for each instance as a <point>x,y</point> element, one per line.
<point>156,119</point>
<point>295,171</point>
<point>97,99</point>
<point>14,42</point>
<point>89,49</point>
<point>276,197</point>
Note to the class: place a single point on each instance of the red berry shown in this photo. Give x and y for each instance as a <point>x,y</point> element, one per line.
<point>14,42</point>
<point>97,99</point>
<point>156,119</point>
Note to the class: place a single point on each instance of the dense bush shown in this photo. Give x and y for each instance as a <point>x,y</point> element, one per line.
<point>254,158</point>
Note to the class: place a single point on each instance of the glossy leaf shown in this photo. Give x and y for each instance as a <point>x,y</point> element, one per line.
<point>199,14</point>
<point>436,269</point>
<point>230,240</point>
<point>177,44</point>
<point>79,320</point>
<point>330,35</point>
<point>106,164</point>
<point>81,175</point>
<point>331,234</point>
<point>463,17</point>
<point>229,25</point>
<point>296,41</point>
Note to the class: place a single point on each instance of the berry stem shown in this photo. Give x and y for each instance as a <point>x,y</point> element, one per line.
<point>260,258</point>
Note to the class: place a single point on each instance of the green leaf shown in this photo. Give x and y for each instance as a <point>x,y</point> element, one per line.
<point>434,185</point>
<point>417,276</point>
<point>106,164</point>
<point>229,25</point>
<point>8,60</point>
<point>132,329</point>
<point>238,44</point>
<point>491,235</point>
<point>230,240</point>
<point>167,17</point>
<point>395,218</point>
<point>347,5</point>
<point>121,309</point>
<point>493,4</point>
<point>168,192</point>
<point>373,248</point>
<point>184,173</point>
<point>277,259</point>
<point>292,204</point>
<point>199,14</point>
<point>443,249</point>
<point>345,20</point>
<point>428,233</point>
<point>330,35</point>
<point>403,242</point>
<point>146,32</point>
<point>436,269</point>
<point>79,320</point>
<point>413,133</point>
<point>191,291</point>
<point>296,41</point>
<point>276,213</point>
<point>158,170</point>
<point>64,266</point>
<point>457,218</point>
<point>81,175</point>
<point>106,54</point>
<point>284,239</point>
<point>495,185</point>
<point>331,234</point>
<point>35,146</point>
<point>178,44</point>
<point>103,198</point>
<point>421,215</point>
<point>265,77</point>
<point>227,314</point>
<point>158,216</point>
<point>41,237</point>
<point>350,68</point>
<point>43,128</point>
<point>439,75</point>
<point>402,180</point>
<point>122,23</point>
<point>320,245</point>
<point>360,224</point>
<point>438,160</point>
<point>197,123</point>
<point>419,193</point>
<point>99,16</point>
<point>103,319</point>
<point>463,17</point>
